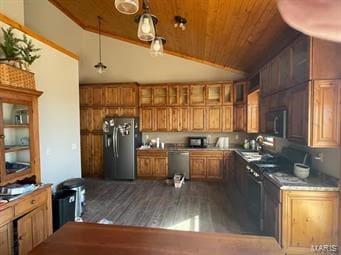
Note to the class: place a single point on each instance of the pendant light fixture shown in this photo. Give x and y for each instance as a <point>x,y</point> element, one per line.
<point>156,47</point>
<point>147,22</point>
<point>127,6</point>
<point>100,67</point>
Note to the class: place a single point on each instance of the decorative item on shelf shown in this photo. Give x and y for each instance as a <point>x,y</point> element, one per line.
<point>100,67</point>
<point>128,7</point>
<point>180,22</point>
<point>147,22</point>
<point>17,52</point>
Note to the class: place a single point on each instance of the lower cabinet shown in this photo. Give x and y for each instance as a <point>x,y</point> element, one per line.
<point>31,229</point>
<point>206,165</point>
<point>26,222</point>
<point>152,164</point>
<point>300,220</point>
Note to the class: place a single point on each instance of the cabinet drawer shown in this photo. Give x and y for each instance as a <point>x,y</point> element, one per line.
<point>207,153</point>
<point>29,203</point>
<point>6,215</point>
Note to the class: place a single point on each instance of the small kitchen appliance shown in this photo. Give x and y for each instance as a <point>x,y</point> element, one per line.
<point>197,142</point>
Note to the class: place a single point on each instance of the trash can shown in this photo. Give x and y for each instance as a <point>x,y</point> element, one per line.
<point>63,207</point>
<point>78,185</point>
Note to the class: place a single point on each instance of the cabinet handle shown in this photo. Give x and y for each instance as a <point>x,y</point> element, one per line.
<point>2,136</point>
<point>33,202</point>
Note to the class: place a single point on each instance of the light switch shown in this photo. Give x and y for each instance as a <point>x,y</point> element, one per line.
<point>48,152</point>
<point>74,146</point>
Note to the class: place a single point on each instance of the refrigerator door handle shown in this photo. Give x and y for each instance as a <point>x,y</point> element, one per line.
<point>117,144</point>
<point>113,141</point>
<point>116,153</point>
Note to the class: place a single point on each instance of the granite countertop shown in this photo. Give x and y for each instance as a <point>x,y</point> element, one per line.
<point>185,148</point>
<point>287,181</point>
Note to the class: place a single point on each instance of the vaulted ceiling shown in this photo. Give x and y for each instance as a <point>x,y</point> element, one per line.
<point>237,34</point>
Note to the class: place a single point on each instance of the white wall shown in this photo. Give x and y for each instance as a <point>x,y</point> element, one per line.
<point>13,9</point>
<point>56,74</point>
<point>126,62</point>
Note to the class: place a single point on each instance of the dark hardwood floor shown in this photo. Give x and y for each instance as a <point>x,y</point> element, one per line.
<point>196,206</point>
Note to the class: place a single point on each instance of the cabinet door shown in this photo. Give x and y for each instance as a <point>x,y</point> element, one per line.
<point>98,115</point>
<point>85,96</point>
<point>144,166</point>
<point>184,122</point>
<point>111,96</point>
<point>252,119</point>
<point>197,95</point>
<point>174,119</point>
<point>160,167</point>
<point>213,94</point>
<point>86,155</point>
<point>146,119</point>
<point>173,95</point>
<point>184,95</point>
<point>98,96</point>
<point>325,127</point>
<point>198,121</point>
<point>112,111</point>
<point>86,119</point>
<point>160,95</point>
<point>300,60</point>
<point>298,114</point>
<point>284,69</point>
<point>32,229</point>
<point>239,91</point>
<point>265,84</point>
<point>264,108</point>
<point>214,166</point>
<point>128,96</point>
<point>214,120</point>
<point>309,218</point>
<point>6,239</point>
<point>239,117</point>
<point>97,155</point>
<point>198,167</point>
<point>127,111</point>
<point>274,75</point>
<point>227,118</point>
<point>161,119</point>
<point>227,94</point>
<point>146,96</point>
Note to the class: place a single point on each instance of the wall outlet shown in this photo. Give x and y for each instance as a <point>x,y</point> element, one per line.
<point>236,137</point>
<point>48,152</point>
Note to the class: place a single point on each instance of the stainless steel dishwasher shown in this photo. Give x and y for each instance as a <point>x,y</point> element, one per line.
<point>178,163</point>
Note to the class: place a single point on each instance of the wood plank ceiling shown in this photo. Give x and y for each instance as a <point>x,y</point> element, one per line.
<point>237,34</point>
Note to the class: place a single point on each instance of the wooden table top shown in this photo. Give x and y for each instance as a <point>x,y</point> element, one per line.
<point>90,239</point>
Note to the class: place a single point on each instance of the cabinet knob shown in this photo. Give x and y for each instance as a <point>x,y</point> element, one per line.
<point>33,201</point>
<point>2,136</point>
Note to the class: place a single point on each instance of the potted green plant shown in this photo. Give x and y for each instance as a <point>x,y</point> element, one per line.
<point>9,46</point>
<point>26,50</point>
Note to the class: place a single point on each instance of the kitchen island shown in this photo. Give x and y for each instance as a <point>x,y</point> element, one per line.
<point>89,238</point>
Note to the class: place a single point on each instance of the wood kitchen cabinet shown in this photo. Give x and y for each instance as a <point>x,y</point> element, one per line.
<point>98,94</point>
<point>197,94</point>
<point>184,95</point>
<point>174,119</point>
<point>86,116</point>
<point>173,95</point>
<point>326,112</point>
<point>274,75</point>
<point>146,119</point>
<point>161,119</point>
<point>265,84</point>
<point>128,95</point>
<point>239,117</point>
<point>85,96</point>
<point>214,118</point>
<point>112,95</point>
<point>253,112</point>
<point>98,115</point>
<point>239,92</point>
<point>160,95</point>
<point>152,164</point>
<point>214,94</point>
<point>206,165</point>
<point>227,93</point>
<point>92,154</point>
<point>184,122</point>
<point>227,116</point>
<point>145,96</point>
<point>197,118</point>
<point>309,218</point>
<point>284,70</point>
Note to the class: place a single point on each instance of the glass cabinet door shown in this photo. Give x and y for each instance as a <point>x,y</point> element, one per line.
<point>15,139</point>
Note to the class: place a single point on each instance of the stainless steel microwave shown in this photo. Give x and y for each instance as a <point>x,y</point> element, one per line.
<point>198,141</point>
<point>276,123</point>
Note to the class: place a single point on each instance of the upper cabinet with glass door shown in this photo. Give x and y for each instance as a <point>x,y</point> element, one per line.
<point>16,135</point>
<point>19,135</point>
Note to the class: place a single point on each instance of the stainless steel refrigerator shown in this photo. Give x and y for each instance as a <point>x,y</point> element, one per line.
<point>121,138</point>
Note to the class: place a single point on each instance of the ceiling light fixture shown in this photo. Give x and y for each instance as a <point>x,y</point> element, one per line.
<point>147,22</point>
<point>127,6</point>
<point>100,67</point>
<point>180,22</point>
<point>156,47</point>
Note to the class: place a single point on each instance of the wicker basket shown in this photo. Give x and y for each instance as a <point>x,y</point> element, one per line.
<point>15,77</point>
